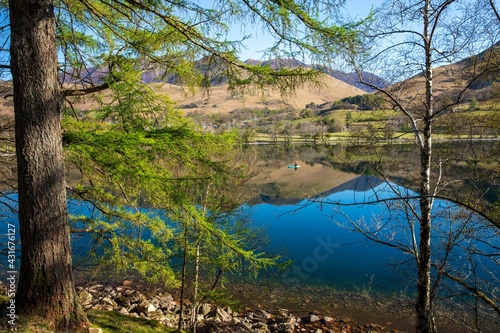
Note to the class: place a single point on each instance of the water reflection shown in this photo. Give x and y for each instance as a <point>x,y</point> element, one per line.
<point>325,252</point>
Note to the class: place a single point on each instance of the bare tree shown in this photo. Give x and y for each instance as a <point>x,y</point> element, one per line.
<point>408,44</point>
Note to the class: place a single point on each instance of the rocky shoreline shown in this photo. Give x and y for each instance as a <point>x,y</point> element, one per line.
<point>127,299</point>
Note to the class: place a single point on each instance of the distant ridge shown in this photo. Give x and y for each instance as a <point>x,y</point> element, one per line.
<point>215,70</point>
<point>349,78</point>
<point>452,80</point>
<point>353,79</point>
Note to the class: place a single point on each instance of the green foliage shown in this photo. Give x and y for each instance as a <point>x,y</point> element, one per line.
<point>111,322</point>
<point>364,102</point>
<point>132,157</point>
<point>473,105</point>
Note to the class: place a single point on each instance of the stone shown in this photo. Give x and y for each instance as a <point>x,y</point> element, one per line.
<point>283,312</point>
<point>163,302</point>
<point>220,314</point>
<point>261,314</point>
<point>229,310</point>
<point>86,298</point>
<point>108,301</point>
<point>95,330</point>
<point>312,318</point>
<point>156,315</point>
<point>205,309</point>
<point>260,327</point>
<point>124,310</point>
<point>328,319</point>
<point>145,308</point>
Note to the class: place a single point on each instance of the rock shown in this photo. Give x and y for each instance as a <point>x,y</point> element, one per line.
<point>312,318</point>
<point>286,324</point>
<point>123,301</point>
<point>86,298</point>
<point>283,312</point>
<point>124,310</point>
<point>127,283</point>
<point>170,320</point>
<point>106,304</point>
<point>151,308</point>
<point>328,319</point>
<point>163,302</point>
<point>220,314</point>
<point>145,308</point>
<point>95,330</point>
<point>229,310</point>
<point>108,301</point>
<point>134,296</point>
<point>156,315</point>
<point>260,327</point>
<point>261,314</point>
<point>205,309</point>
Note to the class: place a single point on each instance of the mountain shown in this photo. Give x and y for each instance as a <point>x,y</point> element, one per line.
<point>349,78</point>
<point>219,99</point>
<point>469,78</point>
<point>353,79</point>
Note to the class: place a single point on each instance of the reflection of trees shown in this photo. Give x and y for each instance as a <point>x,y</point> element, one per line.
<point>466,262</point>
<point>411,40</point>
<point>469,177</point>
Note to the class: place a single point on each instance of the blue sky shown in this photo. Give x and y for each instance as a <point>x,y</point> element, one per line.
<point>260,41</point>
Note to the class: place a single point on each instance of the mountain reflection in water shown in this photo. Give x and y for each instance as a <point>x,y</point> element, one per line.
<point>311,233</point>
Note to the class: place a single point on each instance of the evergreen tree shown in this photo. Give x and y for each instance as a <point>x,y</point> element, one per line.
<point>103,46</point>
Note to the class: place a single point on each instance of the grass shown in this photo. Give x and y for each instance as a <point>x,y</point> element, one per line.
<point>113,322</point>
<point>108,321</point>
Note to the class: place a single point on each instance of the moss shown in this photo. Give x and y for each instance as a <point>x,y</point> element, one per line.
<point>112,322</point>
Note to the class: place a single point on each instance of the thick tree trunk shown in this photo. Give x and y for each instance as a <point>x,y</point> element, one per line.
<point>46,287</point>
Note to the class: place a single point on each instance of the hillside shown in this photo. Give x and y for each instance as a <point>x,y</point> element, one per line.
<point>475,77</point>
<point>220,100</point>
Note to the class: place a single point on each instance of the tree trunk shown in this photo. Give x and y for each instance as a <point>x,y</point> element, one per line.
<point>425,317</point>
<point>46,288</point>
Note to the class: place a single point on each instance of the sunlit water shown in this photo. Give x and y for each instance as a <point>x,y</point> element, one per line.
<point>316,235</point>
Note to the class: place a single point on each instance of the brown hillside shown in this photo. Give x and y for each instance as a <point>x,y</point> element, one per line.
<point>220,100</point>
<point>473,77</point>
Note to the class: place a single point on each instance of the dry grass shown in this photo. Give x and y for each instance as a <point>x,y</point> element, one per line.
<point>220,100</point>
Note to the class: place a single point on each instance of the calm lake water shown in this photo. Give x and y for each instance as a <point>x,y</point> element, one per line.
<point>301,213</point>
<point>315,234</point>
<point>313,226</point>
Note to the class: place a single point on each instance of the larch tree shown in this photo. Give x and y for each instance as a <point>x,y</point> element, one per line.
<point>46,288</point>
<point>70,48</point>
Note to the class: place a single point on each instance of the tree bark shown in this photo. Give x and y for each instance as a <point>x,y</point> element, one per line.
<point>423,305</point>
<point>46,288</point>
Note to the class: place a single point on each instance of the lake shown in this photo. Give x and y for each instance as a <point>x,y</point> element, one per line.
<point>324,251</point>
<point>299,208</point>
<point>310,213</point>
